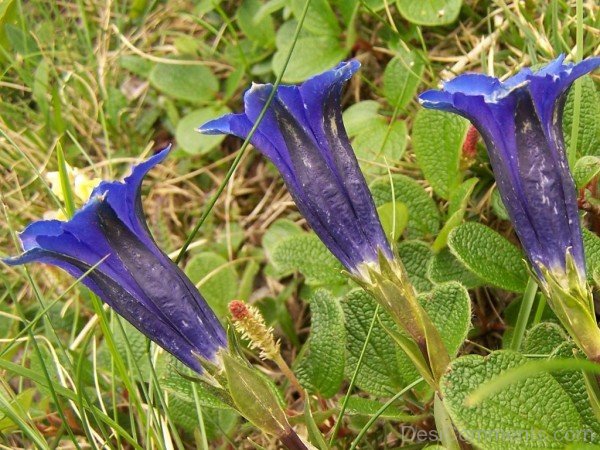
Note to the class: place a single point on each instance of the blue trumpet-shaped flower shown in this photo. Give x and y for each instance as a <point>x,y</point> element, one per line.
<point>520,120</point>
<point>109,235</point>
<point>303,135</point>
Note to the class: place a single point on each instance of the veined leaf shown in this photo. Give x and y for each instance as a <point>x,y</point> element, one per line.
<point>489,255</point>
<point>438,138</point>
<point>321,367</point>
<point>423,215</point>
<point>529,414</point>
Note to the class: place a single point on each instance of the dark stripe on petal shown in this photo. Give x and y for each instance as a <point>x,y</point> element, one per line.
<point>178,305</point>
<point>353,179</point>
<point>321,191</point>
<point>540,174</point>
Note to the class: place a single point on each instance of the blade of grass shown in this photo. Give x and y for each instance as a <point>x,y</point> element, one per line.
<point>381,410</point>
<point>344,405</point>
<point>65,183</point>
<point>201,425</point>
<point>525,371</point>
<point>118,361</point>
<point>44,311</point>
<point>67,394</point>
<point>33,166</point>
<point>524,313</point>
<point>16,416</point>
<point>81,388</point>
<point>28,330</point>
<point>572,150</point>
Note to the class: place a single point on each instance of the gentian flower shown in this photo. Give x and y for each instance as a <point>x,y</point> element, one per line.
<point>520,120</point>
<point>303,135</point>
<point>130,273</point>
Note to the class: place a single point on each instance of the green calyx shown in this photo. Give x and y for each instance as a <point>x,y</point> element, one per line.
<point>571,300</point>
<point>254,396</point>
<point>388,283</point>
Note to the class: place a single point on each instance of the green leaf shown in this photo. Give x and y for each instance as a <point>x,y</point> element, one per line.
<point>376,137</point>
<point>489,255</point>
<point>321,367</point>
<point>23,43</point>
<point>549,338</point>
<point>216,278</point>
<point>7,325</point>
<point>8,14</point>
<point>275,313</point>
<point>394,218</point>
<point>279,230</point>
<point>41,84</point>
<point>315,436</point>
<point>573,383</point>
<point>270,7</point>
<point>498,205</point>
<point>260,31</point>
<point>134,340</point>
<point>360,406</point>
<point>23,401</point>
<point>312,54</point>
<point>423,215</point>
<point>456,212</point>
<point>307,254</point>
<point>192,83</point>
<point>190,139</point>
<point>537,405</point>
<point>415,256</point>
<point>438,138</point>
<point>586,168</point>
<point>429,12</point>
<point>379,142</point>
<point>591,245</point>
<point>217,422</point>
<point>384,367</point>
<point>359,116</point>
<point>136,64</point>
<point>179,387</point>
<point>460,197</point>
<point>401,78</point>
<point>445,267</point>
<point>246,283</point>
<point>588,139</point>
<point>320,18</point>
<point>449,307</point>
<point>544,338</point>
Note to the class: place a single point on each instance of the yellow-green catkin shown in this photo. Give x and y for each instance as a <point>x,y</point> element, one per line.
<point>248,321</point>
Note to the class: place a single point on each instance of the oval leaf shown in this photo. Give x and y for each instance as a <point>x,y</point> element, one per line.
<point>195,84</point>
<point>489,255</point>
<point>438,138</point>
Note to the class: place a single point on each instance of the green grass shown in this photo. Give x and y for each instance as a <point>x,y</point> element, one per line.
<point>76,87</point>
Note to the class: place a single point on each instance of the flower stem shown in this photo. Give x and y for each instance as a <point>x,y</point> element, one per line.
<point>285,369</point>
<point>539,312</point>
<point>524,312</point>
